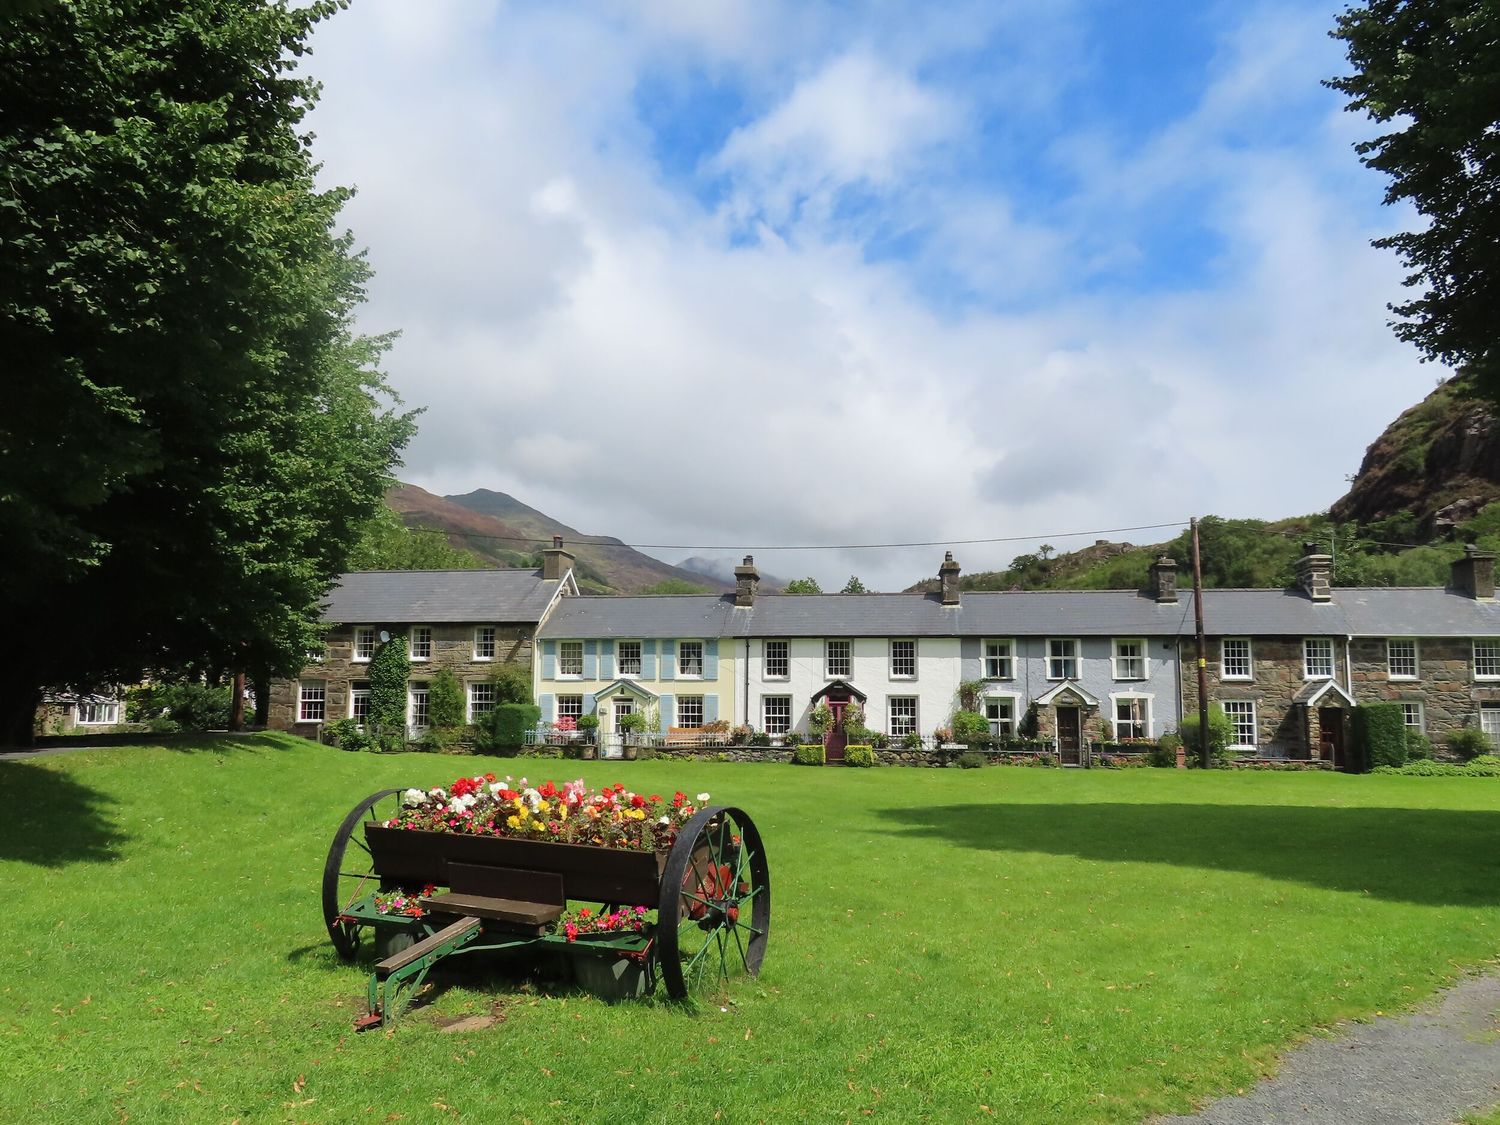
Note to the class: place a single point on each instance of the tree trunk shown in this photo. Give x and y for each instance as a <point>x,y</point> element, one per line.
<point>237,702</point>
<point>262,701</point>
<point>18,706</point>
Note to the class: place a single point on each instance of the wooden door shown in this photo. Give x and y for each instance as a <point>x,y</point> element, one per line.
<point>1069,736</point>
<point>834,743</point>
<point>1331,722</point>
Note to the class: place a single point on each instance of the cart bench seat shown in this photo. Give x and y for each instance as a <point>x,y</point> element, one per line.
<point>416,952</point>
<point>515,910</point>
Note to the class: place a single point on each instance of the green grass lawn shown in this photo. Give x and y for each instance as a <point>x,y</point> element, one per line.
<point>1000,944</point>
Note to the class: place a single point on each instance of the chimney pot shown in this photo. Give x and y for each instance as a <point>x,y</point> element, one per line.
<point>948,577</point>
<point>1164,579</point>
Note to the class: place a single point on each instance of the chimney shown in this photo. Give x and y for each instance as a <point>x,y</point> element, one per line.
<point>1474,574</point>
<point>1164,579</point>
<point>746,581</point>
<point>556,562</point>
<point>948,576</point>
<point>1315,573</point>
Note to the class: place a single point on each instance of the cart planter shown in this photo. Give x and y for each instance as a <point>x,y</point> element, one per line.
<point>711,892</point>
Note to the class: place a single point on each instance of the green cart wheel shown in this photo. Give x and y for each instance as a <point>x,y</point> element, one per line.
<point>715,910</point>
<point>349,872</point>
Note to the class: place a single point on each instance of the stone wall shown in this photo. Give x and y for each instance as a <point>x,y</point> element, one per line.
<point>779,754</point>
<point>1445,686</point>
<point>452,648</point>
<point>1276,662</point>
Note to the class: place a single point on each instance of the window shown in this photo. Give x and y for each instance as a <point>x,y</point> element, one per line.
<point>1317,658</point>
<point>417,704</point>
<point>1132,718</point>
<point>359,701</point>
<point>690,658</point>
<point>364,643</point>
<point>484,642</point>
<point>316,655</point>
<point>1234,659</point>
<point>1411,715</point>
<point>778,666</point>
<point>312,699</point>
<point>837,662</point>
<point>903,716</point>
<point>421,643</point>
<point>1062,660</point>
<point>630,658</point>
<point>570,658</point>
<point>1001,714</point>
<point>1130,660</point>
<point>999,660</point>
<point>903,660</point>
<point>1489,721</point>
<point>481,700</point>
<point>98,712</point>
<point>1401,659</point>
<point>776,714</point>
<point>690,710</point>
<point>1487,659</point>
<point>1241,714</point>
<point>569,711</point>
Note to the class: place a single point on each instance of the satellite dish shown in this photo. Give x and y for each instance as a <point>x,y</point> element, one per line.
<point>384,637</point>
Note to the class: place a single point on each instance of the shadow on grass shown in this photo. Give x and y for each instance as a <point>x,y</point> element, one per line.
<point>52,819</point>
<point>1435,857</point>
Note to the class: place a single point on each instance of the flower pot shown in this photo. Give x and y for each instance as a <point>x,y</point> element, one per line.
<point>587,751</point>
<point>610,978</point>
<point>389,941</point>
<point>630,752</point>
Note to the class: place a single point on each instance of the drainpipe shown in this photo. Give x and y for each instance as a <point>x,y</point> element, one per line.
<point>1348,666</point>
<point>1179,683</point>
<point>747,678</point>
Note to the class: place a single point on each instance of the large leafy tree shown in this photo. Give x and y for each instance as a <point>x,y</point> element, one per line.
<point>1430,70</point>
<point>192,434</point>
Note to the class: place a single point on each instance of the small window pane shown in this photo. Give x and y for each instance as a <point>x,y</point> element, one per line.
<point>778,665</point>
<point>570,658</point>
<point>630,658</point>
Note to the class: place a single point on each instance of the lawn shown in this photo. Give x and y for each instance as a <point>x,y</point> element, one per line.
<point>1001,944</point>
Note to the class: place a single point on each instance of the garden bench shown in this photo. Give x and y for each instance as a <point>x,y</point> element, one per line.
<point>685,736</point>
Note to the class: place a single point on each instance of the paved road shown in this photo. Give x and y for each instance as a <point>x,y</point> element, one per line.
<point>1427,1068</point>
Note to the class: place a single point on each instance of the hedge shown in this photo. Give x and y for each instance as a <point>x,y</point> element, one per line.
<point>862,756</point>
<point>1380,734</point>
<point>808,755</point>
<point>510,722</point>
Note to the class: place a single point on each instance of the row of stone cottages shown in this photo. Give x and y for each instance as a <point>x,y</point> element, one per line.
<point>1286,665</point>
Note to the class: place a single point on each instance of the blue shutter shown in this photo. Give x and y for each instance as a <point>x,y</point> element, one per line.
<point>710,660</point>
<point>590,660</point>
<point>549,660</point>
<point>667,711</point>
<point>669,660</point>
<point>548,704</point>
<point>606,660</point>
<point>590,704</point>
<point>648,660</point>
<point>710,708</point>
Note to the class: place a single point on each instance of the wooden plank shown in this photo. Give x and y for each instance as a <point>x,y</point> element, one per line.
<point>507,882</point>
<point>425,946</point>
<point>500,909</point>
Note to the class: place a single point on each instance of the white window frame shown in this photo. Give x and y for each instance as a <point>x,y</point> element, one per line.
<point>567,667</point>
<point>312,692</point>
<point>829,673</point>
<point>783,657</point>
<point>87,709</point>
<point>1063,662</point>
<point>902,729</point>
<point>364,639</point>
<point>317,655</point>
<point>621,670</point>
<point>1489,721</point>
<point>1487,665</point>
<point>895,675</point>
<point>998,666</point>
<point>356,693</point>
<point>1410,707</point>
<point>682,660</point>
<point>1391,658</point>
<point>1224,672</point>
<point>1237,707</point>
<point>1116,661</point>
<point>1308,647</point>
<point>476,688</point>
<point>420,642</point>
<point>1014,722</point>
<point>684,703</point>
<point>416,716</point>
<point>1145,720</point>
<point>570,707</point>
<point>486,643</point>
<point>776,723</point>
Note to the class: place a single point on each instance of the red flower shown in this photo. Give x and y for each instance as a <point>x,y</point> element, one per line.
<point>637,801</point>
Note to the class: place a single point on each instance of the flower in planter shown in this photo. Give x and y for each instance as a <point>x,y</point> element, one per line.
<point>402,902</point>
<point>625,919</point>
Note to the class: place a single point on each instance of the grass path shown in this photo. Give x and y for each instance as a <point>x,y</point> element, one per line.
<point>1004,944</point>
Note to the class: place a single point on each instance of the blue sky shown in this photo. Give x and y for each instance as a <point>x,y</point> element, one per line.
<point>758,273</point>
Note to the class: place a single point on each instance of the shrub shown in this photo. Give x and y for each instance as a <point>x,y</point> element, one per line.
<point>588,723</point>
<point>970,760</point>
<point>388,672</point>
<point>1423,768</point>
<point>970,726</point>
<point>912,741</point>
<point>445,701</point>
<point>1483,765</point>
<point>791,738</point>
<point>1030,722</point>
<point>512,684</point>
<point>1468,742</point>
<point>509,723</point>
<point>188,705</point>
<point>1220,731</point>
<point>1164,753</point>
<point>1418,745</point>
<point>880,741</point>
<point>761,738</point>
<point>1380,734</point>
<point>820,718</point>
<point>861,756</point>
<point>858,734</point>
<point>809,755</point>
<point>346,735</point>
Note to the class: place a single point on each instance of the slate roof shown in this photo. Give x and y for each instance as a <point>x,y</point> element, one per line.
<point>433,596</point>
<point>665,615</point>
<point>1268,613</point>
<point>1397,611</point>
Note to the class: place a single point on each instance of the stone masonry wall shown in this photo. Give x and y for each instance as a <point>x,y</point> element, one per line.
<point>1445,684</point>
<point>1283,727</point>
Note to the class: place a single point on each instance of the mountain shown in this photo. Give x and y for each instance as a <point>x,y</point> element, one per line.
<point>505,532</point>
<point>722,573</point>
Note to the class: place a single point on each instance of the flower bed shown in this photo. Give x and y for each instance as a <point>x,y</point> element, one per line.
<point>611,817</point>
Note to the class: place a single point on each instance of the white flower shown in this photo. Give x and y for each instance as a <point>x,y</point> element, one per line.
<point>456,805</point>
<point>665,820</point>
<point>702,797</point>
<point>439,792</point>
<point>495,789</point>
<point>413,797</point>
<point>469,800</point>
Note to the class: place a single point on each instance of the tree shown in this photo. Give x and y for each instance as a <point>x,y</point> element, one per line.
<point>385,543</point>
<point>854,586</point>
<point>803,586</point>
<point>1432,67</point>
<point>196,435</point>
<point>675,586</point>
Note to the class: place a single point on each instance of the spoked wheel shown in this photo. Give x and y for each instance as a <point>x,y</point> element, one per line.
<point>349,873</point>
<point>715,909</point>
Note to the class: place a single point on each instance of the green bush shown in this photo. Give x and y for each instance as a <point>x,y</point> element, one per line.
<point>388,673</point>
<point>1418,745</point>
<point>970,726</point>
<point>1164,753</point>
<point>1424,768</point>
<point>761,738</point>
<point>809,755</point>
<point>1380,734</point>
<point>1468,743</point>
<point>859,755</point>
<point>189,705</point>
<point>1483,765</point>
<point>512,684</point>
<point>1220,731</point>
<point>912,741</point>
<point>792,739</point>
<point>510,722</point>
<point>445,701</point>
<point>346,735</point>
<point>970,760</point>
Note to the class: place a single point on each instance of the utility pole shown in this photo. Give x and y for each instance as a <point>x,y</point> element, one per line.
<point>1202,659</point>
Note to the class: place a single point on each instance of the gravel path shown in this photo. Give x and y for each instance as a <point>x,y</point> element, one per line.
<point>1430,1066</point>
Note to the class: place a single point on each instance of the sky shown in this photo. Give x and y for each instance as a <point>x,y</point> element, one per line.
<point>755,274</point>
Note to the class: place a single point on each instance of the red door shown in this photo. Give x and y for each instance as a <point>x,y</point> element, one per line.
<point>836,739</point>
